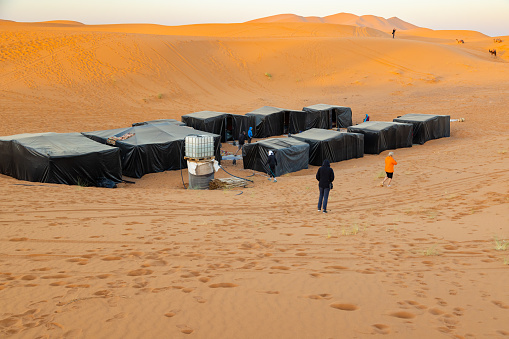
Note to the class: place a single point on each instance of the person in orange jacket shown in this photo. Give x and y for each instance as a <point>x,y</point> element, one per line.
<point>389,169</point>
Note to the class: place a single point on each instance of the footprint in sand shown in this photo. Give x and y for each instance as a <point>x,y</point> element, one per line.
<point>140,271</point>
<point>382,328</point>
<point>344,307</point>
<point>403,315</point>
<point>223,285</point>
<point>185,329</point>
<point>500,304</point>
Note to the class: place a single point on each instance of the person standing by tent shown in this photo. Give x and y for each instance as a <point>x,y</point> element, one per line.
<point>272,162</point>
<point>393,32</point>
<point>389,169</point>
<point>242,139</point>
<point>366,118</point>
<point>325,177</point>
<point>250,134</point>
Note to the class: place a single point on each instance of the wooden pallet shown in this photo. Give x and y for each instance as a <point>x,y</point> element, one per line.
<point>199,159</point>
<point>227,183</point>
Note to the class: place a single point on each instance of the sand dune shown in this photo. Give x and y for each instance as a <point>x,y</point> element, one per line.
<point>151,259</point>
<point>371,21</point>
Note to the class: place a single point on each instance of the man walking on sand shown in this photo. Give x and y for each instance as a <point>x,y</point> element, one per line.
<point>325,177</point>
<point>393,32</point>
<point>389,169</point>
<point>242,140</point>
<point>272,162</point>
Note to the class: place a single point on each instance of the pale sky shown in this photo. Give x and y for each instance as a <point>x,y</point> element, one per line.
<point>490,17</point>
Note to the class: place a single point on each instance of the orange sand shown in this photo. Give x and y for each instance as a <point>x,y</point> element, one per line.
<point>152,260</point>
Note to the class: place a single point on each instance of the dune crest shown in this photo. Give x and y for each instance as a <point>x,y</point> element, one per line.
<point>370,21</point>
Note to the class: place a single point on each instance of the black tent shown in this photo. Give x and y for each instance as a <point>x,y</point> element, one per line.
<point>380,135</point>
<point>331,145</point>
<point>59,158</point>
<point>268,121</point>
<point>150,148</point>
<point>159,121</point>
<point>301,121</point>
<point>291,154</point>
<point>337,116</point>
<point>227,125</point>
<point>427,126</point>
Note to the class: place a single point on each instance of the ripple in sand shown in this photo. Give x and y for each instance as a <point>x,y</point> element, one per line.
<point>403,315</point>
<point>223,285</point>
<point>344,307</point>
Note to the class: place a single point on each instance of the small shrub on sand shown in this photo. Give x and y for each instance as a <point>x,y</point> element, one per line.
<point>160,96</point>
<point>431,251</point>
<point>506,261</point>
<point>352,230</point>
<point>501,245</point>
<point>380,175</point>
<point>268,75</point>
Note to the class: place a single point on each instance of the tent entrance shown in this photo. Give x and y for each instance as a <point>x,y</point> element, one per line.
<point>333,118</point>
<point>286,122</point>
<point>230,128</point>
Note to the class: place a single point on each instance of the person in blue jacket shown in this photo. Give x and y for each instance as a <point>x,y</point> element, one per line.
<point>325,177</point>
<point>366,118</point>
<point>250,134</point>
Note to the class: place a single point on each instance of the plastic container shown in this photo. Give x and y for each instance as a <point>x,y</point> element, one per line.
<point>199,146</point>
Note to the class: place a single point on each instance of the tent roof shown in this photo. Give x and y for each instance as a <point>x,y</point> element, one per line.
<point>376,125</point>
<point>280,143</point>
<point>266,110</point>
<point>151,133</point>
<point>323,107</point>
<point>203,115</point>
<point>58,144</point>
<point>417,117</point>
<point>159,121</point>
<point>319,134</point>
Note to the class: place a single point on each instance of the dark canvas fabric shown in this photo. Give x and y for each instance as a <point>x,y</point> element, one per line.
<point>340,115</point>
<point>427,126</point>
<point>380,135</point>
<point>227,125</point>
<point>331,145</point>
<point>291,154</point>
<point>268,121</point>
<point>153,148</point>
<point>60,158</point>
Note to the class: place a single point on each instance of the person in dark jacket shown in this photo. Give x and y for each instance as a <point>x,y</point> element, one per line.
<point>242,140</point>
<point>325,177</point>
<point>272,162</point>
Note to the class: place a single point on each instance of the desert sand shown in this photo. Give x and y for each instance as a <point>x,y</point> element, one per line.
<point>152,260</point>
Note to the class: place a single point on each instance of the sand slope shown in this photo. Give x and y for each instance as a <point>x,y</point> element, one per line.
<point>154,260</point>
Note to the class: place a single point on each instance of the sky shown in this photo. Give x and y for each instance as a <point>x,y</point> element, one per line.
<point>490,17</point>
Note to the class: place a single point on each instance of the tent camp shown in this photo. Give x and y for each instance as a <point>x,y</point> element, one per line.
<point>291,154</point>
<point>150,148</point>
<point>159,121</point>
<point>337,116</point>
<point>227,125</point>
<point>59,158</point>
<point>380,135</point>
<point>427,126</point>
<point>331,145</point>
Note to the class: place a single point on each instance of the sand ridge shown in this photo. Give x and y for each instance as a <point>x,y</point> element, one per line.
<point>151,259</point>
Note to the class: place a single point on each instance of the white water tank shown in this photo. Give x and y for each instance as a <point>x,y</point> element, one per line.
<point>199,146</point>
